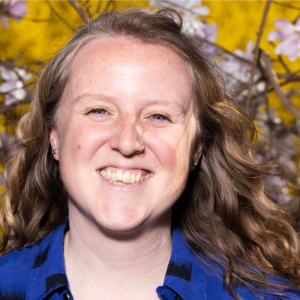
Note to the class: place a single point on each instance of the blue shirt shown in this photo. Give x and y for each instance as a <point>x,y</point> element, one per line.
<point>37,272</point>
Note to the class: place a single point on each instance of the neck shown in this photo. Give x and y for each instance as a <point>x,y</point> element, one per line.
<point>139,256</point>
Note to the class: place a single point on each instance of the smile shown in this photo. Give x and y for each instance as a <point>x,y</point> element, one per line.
<point>116,176</point>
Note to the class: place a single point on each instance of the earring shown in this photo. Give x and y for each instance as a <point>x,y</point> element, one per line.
<point>194,163</point>
<point>54,151</point>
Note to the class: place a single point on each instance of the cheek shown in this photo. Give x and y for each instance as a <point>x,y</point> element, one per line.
<point>81,140</point>
<point>171,147</point>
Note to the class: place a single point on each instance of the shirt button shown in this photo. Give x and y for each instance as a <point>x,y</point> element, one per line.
<point>66,296</point>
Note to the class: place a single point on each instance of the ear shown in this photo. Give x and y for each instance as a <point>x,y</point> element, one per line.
<point>196,155</point>
<point>54,143</point>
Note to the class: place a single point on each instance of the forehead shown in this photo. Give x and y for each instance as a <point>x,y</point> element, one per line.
<point>123,49</point>
<point>120,65</point>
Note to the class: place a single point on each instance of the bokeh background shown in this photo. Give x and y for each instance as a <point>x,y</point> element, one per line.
<point>256,43</point>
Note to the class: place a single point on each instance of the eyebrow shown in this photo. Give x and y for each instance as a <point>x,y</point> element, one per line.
<point>94,96</point>
<point>105,97</point>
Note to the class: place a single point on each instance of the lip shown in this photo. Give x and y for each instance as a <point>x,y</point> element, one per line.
<point>125,188</point>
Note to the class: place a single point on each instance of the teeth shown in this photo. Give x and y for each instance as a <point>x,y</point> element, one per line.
<point>119,175</point>
<point>132,178</point>
<point>126,177</point>
<point>138,177</point>
<point>122,179</point>
<point>108,174</point>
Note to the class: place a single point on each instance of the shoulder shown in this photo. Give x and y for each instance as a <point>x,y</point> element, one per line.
<point>15,270</point>
<point>217,288</point>
<point>28,272</point>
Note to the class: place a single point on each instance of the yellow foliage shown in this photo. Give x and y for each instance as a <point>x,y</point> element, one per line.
<point>42,33</point>
<point>239,21</point>
<point>19,111</point>
<point>282,112</point>
<point>2,123</point>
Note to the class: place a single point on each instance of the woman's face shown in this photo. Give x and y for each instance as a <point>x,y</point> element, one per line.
<point>126,114</point>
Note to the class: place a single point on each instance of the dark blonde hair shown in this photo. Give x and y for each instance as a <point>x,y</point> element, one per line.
<point>224,211</point>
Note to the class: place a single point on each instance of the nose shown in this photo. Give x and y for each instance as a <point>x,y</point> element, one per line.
<point>128,138</point>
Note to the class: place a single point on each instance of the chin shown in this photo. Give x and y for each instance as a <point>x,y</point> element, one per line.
<point>121,221</point>
<point>119,228</point>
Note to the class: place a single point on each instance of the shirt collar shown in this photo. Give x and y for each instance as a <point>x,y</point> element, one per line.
<point>48,272</point>
<point>185,275</point>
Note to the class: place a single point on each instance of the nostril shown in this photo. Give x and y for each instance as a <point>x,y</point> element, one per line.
<point>128,138</point>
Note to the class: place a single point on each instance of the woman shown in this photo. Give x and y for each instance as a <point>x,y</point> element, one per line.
<point>132,135</point>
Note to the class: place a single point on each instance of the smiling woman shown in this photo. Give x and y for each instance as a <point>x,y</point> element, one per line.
<point>133,87</point>
<point>135,177</point>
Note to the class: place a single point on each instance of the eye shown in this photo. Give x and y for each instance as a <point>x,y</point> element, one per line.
<point>159,117</point>
<point>98,111</point>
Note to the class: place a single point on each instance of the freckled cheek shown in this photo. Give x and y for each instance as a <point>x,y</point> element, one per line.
<point>83,140</point>
<point>169,156</point>
<point>165,147</point>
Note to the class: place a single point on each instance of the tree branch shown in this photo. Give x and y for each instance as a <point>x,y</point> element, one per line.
<point>294,77</point>
<point>289,80</point>
<point>224,50</point>
<point>287,5</point>
<point>11,66</point>
<point>80,11</point>
<point>4,109</point>
<point>108,5</point>
<point>36,20</point>
<point>58,16</point>
<point>256,52</point>
<point>271,75</point>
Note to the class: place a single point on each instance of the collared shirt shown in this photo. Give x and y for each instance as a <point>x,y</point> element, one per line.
<point>37,272</point>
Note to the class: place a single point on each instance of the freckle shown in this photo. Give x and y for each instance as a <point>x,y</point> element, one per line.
<point>79,147</point>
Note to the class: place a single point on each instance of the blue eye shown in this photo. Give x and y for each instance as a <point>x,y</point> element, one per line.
<point>159,117</point>
<point>98,111</point>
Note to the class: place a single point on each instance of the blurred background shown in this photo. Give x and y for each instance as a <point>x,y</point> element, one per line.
<point>256,43</point>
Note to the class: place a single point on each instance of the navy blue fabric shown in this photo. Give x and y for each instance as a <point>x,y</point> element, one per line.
<point>37,272</point>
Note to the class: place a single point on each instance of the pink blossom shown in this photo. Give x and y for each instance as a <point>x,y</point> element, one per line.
<point>289,34</point>
<point>240,69</point>
<point>210,32</point>
<point>4,22</point>
<point>13,85</point>
<point>193,5</point>
<point>259,158</point>
<point>15,10</point>
<point>190,10</point>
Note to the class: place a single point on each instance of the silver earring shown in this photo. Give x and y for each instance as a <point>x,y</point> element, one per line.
<point>54,151</point>
<point>194,163</point>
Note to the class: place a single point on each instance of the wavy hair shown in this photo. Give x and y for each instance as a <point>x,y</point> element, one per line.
<point>225,212</point>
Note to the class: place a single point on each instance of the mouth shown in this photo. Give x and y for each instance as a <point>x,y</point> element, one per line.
<point>124,177</point>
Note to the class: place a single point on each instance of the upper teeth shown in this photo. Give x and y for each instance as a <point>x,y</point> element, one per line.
<point>119,177</point>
